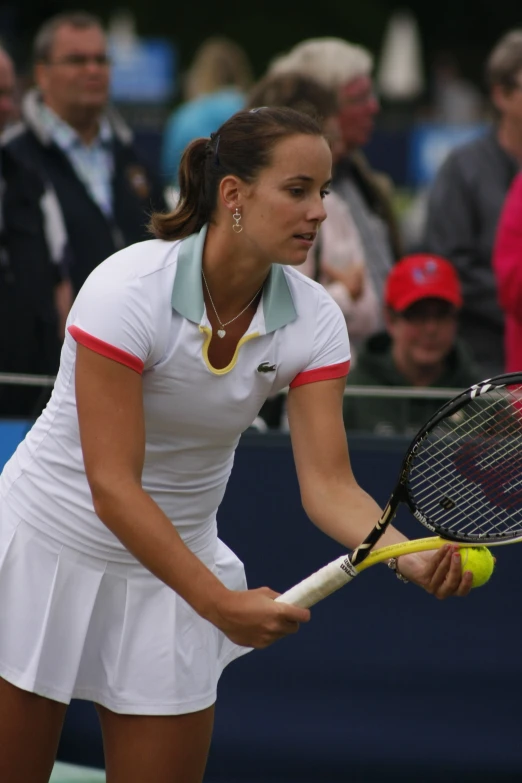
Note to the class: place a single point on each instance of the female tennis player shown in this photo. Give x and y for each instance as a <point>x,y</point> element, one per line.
<point>114,586</point>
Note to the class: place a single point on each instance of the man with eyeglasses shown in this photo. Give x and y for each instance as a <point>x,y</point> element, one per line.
<point>82,146</point>
<point>418,349</point>
<point>466,200</point>
<point>347,69</point>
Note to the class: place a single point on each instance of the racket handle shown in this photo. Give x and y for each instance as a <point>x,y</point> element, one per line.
<point>320,584</point>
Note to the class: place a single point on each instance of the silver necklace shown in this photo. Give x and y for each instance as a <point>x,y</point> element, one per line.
<point>221,331</point>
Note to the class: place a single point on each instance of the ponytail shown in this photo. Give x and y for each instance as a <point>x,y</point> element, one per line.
<point>193,209</point>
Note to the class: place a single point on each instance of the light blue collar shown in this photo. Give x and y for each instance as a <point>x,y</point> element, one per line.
<point>66,137</point>
<point>187,292</point>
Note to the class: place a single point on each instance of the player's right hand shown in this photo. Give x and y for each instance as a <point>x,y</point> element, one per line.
<point>251,618</point>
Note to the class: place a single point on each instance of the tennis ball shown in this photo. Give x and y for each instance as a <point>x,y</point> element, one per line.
<point>478,560</point>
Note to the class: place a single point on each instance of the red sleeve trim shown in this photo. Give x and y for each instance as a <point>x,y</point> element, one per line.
<point>106,349</point>
<point>321,374</point>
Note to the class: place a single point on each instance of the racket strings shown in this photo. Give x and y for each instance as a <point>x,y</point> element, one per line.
<point>471,461</point>
<point>488,511</point>
<point>466,476</point>
<point>484,511</point>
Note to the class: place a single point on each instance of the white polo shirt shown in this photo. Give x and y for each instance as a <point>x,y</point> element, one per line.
<point>144,307</point>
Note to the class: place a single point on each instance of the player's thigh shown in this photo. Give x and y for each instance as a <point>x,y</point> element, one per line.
<point>30,728</point>
<point>163,749</point>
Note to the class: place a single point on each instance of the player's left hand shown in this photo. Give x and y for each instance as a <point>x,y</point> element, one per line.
<point>352,278</point>
<point>439,572</point>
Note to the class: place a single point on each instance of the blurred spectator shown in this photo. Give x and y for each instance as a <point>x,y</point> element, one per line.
<point>419,348</point>
<point>507,263</point>
<point>466,200</point>
<point>215,88</point>
<point>336,259</point>
<point>81,146</point>
<point>347,69</point>
<point>32,241</point>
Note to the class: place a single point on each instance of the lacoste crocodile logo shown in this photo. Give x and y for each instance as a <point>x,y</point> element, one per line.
<point>266,367</point>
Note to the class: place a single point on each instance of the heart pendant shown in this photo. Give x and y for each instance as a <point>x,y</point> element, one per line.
<point>221,333</point>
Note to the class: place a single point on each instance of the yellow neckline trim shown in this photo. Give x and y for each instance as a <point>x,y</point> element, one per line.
<point>224,370</point>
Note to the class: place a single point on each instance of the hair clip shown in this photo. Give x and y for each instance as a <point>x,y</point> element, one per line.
<point>258,108</point>
<point>212,147</point>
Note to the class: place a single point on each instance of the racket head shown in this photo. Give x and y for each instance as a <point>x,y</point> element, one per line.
<point>462,474</point>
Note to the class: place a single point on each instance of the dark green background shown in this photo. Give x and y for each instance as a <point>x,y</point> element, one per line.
<point>468,29</point>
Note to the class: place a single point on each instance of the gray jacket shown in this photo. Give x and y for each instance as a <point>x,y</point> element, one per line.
<point>463,211</point>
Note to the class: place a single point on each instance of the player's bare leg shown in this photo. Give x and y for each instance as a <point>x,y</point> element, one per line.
<point>165,749</point>
<point>30,728</point>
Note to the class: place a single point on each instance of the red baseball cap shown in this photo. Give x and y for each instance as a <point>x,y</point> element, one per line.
<point>421,276</point>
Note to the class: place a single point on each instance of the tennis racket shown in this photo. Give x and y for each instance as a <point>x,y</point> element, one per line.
<point>461,478</point>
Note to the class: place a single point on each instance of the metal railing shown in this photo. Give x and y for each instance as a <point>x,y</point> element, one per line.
<point>395,392</point>
<point>19,379</point>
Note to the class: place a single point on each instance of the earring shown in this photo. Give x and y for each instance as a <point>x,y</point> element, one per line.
<point>237,217</point>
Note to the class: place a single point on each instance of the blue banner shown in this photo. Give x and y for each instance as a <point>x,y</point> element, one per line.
<point>144,71</point>
<point>431,143</point>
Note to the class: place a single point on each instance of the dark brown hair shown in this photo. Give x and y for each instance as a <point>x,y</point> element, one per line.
<point>296,91</point>
<point>242,146</point>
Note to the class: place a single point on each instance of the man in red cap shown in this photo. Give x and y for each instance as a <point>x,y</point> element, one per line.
<point>420,347</point>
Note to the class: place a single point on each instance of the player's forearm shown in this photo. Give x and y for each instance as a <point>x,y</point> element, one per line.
<point>346,513</point>
<point>143,528</point>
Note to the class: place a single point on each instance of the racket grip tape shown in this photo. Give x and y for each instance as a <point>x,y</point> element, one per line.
<point>320,584</point>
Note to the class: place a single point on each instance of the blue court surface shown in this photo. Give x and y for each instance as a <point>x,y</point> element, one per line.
<point>70,773</point>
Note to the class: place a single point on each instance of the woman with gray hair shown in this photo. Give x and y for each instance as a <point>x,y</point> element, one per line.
<point>347,68</point>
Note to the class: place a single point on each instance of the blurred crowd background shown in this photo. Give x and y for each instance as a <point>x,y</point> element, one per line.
<point>422,248</point>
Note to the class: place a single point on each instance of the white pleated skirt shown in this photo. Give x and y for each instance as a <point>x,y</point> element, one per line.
<point>77,626</point>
